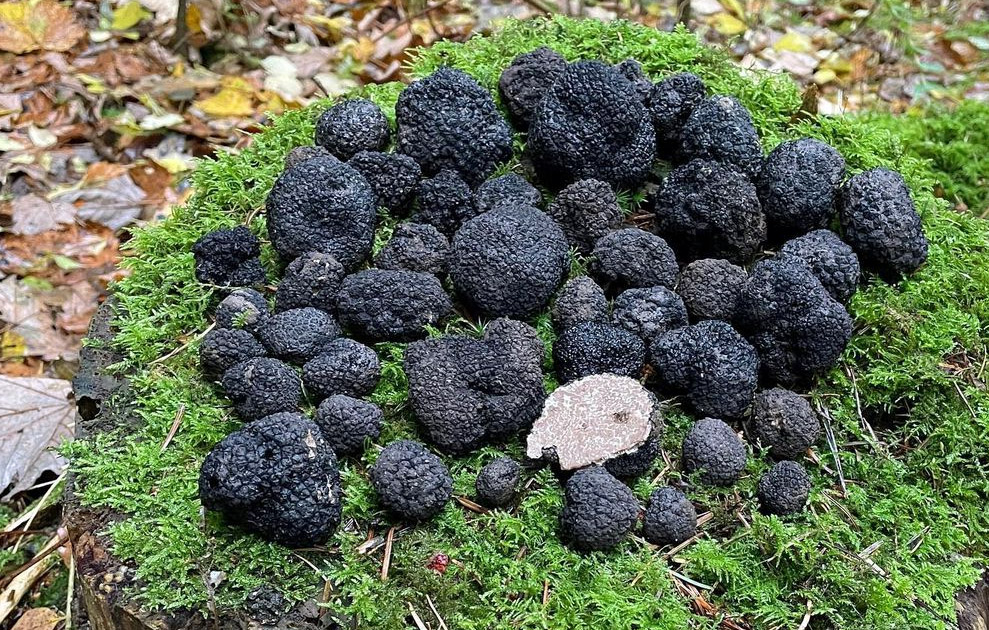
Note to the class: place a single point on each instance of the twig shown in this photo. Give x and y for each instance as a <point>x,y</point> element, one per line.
<point>386,562</point>
<point>686,579</point>
<point>545,592</point>
<point>21,581</point>
<point>833,445</point>
<point>470,505</point>
<point>182,347</point>
<point>437,613</point>
<point>33,514</point>
<point>415,617</point>
<point>858,403</point>
<point>179,414</point>
<point>964,399</point>
<point>70,592</point>
<point>806,620</point>
<point>408,20</point>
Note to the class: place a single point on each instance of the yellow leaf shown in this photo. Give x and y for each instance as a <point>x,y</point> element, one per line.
<point>836,63</point>
<point>334,25</point>
<point>235,99</point>
<point>728,24</point>
<point>194,20</point>
<point>734,7</point>
<point>361,49</point>
<point>794,42</point>
<point>128,16</point>
<point>37,25</point>
<point>12,345</point>
<point>824,76</point>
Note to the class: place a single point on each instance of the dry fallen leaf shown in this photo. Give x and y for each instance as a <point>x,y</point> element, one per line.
<point>36,414</point>
<point>30,329</point>
<point>32,25</point>
<point>235,99</point>
<point>33,214</point>
<point>116,203</point>
<point>37,619</point>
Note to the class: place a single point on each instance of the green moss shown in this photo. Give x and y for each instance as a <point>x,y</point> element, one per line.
<point>914,370</point>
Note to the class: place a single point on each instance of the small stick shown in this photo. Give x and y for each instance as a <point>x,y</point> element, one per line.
<point>964,399</point>
<point>833,445</point>
<point>174,352</point>
<point>806,620</point>
<point>386,563</point>
<point>179,414</point>
<point>686,579</point>
<point>21,581</point>
<point>70,592</point>
<point>33,514</point>
<point>416,619</point>
<point>470,505</point>
<point>437,613</point>
<point>545,592</point>
<point>858,404</point>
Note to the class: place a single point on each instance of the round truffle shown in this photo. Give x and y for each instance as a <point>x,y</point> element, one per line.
<point>445,202</point>
<point>710,288</point>
<point>830,259</point>
<point>784,422</point>
<point>393,177</point>
<point>593,348</point>
<point>797,186</point>
<point>720,129</point>
<point>498,481</point>
<point>347,423</point>
<point>415,247</point>
<point>311,280</point>
<point>391,305</point>
<point>591,123</point>
<point>649,313</point>
<point>410,481</point>
<point>710,210</point>
<point>243,308</point>
<point>598,512</point>
<point>640,461</point>
<point>448,121</point>
<point>344,366</point>
<point>631,258</point>
<point>526,80</point>
<point>322,205</point>
<point>262,386</point>
<point>670,517</point>
<point>301,154</point>
<point>579,300</point>
<point>634,74</point>
<point>784,489</point>
<point>229,258</point>
<point>510,188</point>
<point>670,103</point>
<point>352,126</point>
<point>509,261</point>
<point>298,334</point>
<point>586,210</point>
<point>223,348</point>
<point>713,450</point>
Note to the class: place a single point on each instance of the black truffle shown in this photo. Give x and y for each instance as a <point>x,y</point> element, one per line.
<point>720,129</point>
<point>498,481</point>
<point>712,449</point>
<point>526,80</point>
<point>784,422</point>
<point>301,154</point>
<point>347,423</point>
<point>591,123</point>
<point>391,305</point>
<point>352,126</point>
<point>223,348</point>
<point>579,300</point>
<point>670,517</point>
<point>312,280</point>
<point>640,461</point>
<point>631,258</point>
<point>344,366</point>
<point>830,259</point>
<point>415,247</point>
<point>510,188</point>
<point>586,210</point>
<point>713,366</point>
<point>509,261</point>
<point>881,224</point>
<point>277,478</point>
<point>797,186</point>
<point>229,258</point>
<point>410,481</point>
<point>298,334</point>
<point>784,489</point>
<point>243,308</point>
<point>710,210</point>
<point>448,121</point>
<point>632,71</point>
<point>322,205</point>
<point>445,202</point>
<point>599,511</point>
<point>670,103</point>
<point>393,177</point>
<point>262,386</point>
<point>649,312</point>
<point>711,288</point>
<point>593,348</point>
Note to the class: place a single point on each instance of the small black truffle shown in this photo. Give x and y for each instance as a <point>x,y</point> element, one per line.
<point>579,300</point>
<point>262,386</point>
<point>784,422</point>
<point>784,489</point>
<point>586,210</point>
<point>649,312</point>
<point>510,188</point>
<point>593,348</point>
<point>298,334</point>
<point>391,305</point>
<point>632,70</point>
<point>498,481</point>
<point>526,80</point>
<point>243,308</point>
<point>714,450</point>
<point>344,366</point>
<point>797,186</point>
<point>445,202</point>
<point>640,461</point>
<point>415,247</point>
<point>393,178</point>
<point>229,258</point>
<point>631,258</point>
<point>410,481</point>
<point>830,259</point>
<point>311,280</point>
<point>711,288</point>
<point>347,423</point>
<point>720,129</point>
<point>599,511</point>
<point>670,103</point>
<point>301,154</point>
<point>670,517</point>
<point>223,348</point>
<point>352,126</point>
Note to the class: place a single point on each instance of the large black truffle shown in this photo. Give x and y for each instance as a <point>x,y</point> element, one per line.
<point>670,517</point>
<point>784,422</point>
<point>448,121</point>
<point>591,123</point>
<point>301,154</point>
<point>508,188</point>
<point>509,261</point>
<point>298,334</point>
<point>277,478</point>
<point>312,280</point>
<point>830,259</point>
<point>498,481</point>
<point>262,386</point>
<point>243,308</point>
<point>880,222</point>
<point>229,258</point>
<point>713,366</point>
<point>649,312</point>
<point>526,80</point>
<point>630,258</point>
<point>586,210</point>
<point>415,247</point>
<point>598,512</point>
<point>579,300</point>
<point>711,288</point>
<point>710,210</point>
<point>720,129</point>
<point>784,489</point>
<point>712,449</point>
<point>393,177</point>
<point>347,423</point>
<point>223,348</point>
<point>410,481</point>
<point>633,72</point>
<point>391,305</point>
<point>322,205</point>
<point>797,186</point>
<point>445,202</point>
<point>352,126</point>
<point>670,103</point>
<point>593,348</point>
<point>344,366</point>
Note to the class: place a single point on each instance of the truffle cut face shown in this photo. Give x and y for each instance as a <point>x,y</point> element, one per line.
<point>391,305</point>
<point>598,512</point>
<point>410,481</point>
<point>352,126</point>
<point>592,420</point>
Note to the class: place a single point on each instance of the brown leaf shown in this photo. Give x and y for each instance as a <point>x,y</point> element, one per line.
<point>30,328</point>
<point>36,414</point>
<point>33,214</point>
<point>118,202</point>
<point>44,25</point>
<point>37,619</point>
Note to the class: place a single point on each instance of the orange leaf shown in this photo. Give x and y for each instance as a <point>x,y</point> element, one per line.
<point>37,25</point>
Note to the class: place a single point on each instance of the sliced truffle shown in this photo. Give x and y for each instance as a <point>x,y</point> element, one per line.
<point>797,186</point>
<point>713,450</point>
<point>448,121</point>
<point>498,482</point>
<point>510,188</point>
<point>784,422</point>
<point>593,348</point>
<point>710,289</point>
<point>630,258</point>
<point>344,366</point>
<point>509,261</point>
<point>670,517</point>
<point>720,129</point>
<point>881,223</point>
<point>527,79</point>
<point>710,210</point>
<point>410,481</point>
<point>301,154</point>
<point>322,205</point>
<point>262,386</point>
<point>277,478</point>
<point>713,366</point>
<point>347,423</point>
<point>830,259</point>
<point>670,103</point>
<point>229,258</point>
<point>243,308</point>
<point>415,247</point>
<point>649,313</point>
<point>580,300</point>
<point>586,210</point>
<point>223,348</point>
<point>445,202</point>
<point>298,334</point>
<point>632,71</point>
<point>591,123</point>
<point>391,305</point>
<point>393,177</point>
<point>312,280</point>
<point>784,489</point>
<point>352,126</point>
<point>598,512</point>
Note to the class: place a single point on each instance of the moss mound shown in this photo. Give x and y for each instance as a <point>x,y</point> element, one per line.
<point>908,409</point>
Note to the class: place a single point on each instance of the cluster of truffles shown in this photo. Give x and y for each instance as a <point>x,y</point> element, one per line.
<point>729,296</point>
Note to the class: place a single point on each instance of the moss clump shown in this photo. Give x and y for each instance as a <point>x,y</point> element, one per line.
<point>914,369</point>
